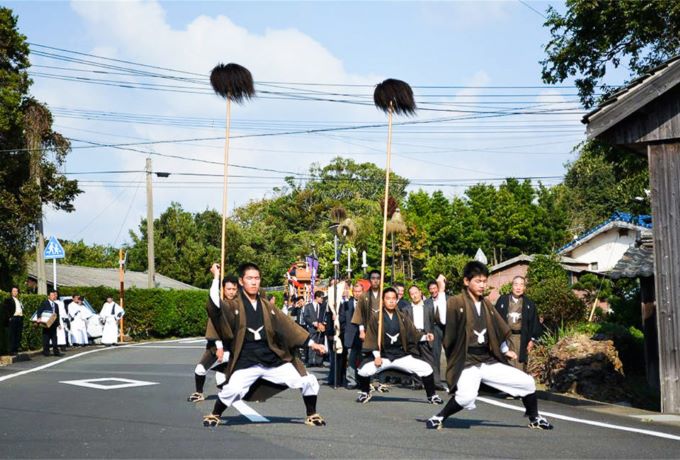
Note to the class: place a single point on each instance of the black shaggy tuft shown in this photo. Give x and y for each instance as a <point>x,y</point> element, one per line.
<point>396,96</point>
<point>232,81</point>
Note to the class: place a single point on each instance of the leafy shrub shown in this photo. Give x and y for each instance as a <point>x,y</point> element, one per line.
<point>549,288</point>
<point>154,313</point>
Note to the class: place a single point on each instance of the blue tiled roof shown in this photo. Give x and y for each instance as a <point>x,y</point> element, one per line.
<point>643,220</point>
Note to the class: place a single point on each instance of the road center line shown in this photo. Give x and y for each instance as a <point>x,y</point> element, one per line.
<point>658,434</point>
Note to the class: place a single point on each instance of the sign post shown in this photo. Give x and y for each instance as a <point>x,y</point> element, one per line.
<point>54,250</point>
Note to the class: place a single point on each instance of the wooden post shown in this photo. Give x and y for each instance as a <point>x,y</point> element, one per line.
<point>384,229</point>
<point>664,171</point>
<point>223,253</point>
<point>651,336</point>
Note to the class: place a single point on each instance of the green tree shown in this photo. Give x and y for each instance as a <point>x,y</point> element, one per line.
<point>95,255</point>
<point>29,177</point>
<point>603,180</point>
<point>548,286</point>
<point>594,36</point>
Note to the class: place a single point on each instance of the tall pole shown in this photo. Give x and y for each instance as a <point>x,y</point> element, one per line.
<point>121,277</point>
<point>36,156</point>
<point>54,274</point>
<point>384,229</point>
<point>223,254</point>
<point>149,227</point>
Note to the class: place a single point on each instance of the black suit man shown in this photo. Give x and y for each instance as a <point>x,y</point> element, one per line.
<point>314,315</point>
<point>351,338</point>
<point>422,316</point>
<point>14,319</point>
<point>437,301</point>
<point>49,334</point>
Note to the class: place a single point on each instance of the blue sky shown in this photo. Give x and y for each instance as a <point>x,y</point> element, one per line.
<point>475,49</point>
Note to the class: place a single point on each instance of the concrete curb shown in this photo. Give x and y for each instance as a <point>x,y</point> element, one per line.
<point>572,400</point>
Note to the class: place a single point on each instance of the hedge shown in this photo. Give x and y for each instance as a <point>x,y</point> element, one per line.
<point>156,313</point>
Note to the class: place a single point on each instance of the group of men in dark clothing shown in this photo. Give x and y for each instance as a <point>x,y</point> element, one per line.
<point>261,344</point>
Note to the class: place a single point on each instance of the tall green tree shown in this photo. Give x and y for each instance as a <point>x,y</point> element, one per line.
<point>594,36</point>
<point>29,177</point>
<point>602,180</point>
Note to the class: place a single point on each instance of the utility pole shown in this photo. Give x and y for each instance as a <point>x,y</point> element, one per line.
<point>36,157</point>
<point>121,277</point>
<point>149,226</point>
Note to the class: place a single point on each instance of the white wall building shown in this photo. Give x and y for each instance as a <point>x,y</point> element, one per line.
<point>603,246</point>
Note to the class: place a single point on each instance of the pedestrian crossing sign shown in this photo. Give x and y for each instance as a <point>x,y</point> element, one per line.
<point>54,249</point>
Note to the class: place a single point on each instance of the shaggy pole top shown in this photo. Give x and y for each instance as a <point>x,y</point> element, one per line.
<point>233,82</point>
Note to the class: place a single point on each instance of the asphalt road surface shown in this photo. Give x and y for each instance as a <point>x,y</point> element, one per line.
<point>130,402</point>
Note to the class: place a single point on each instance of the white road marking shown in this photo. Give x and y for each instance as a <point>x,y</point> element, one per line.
<point>192,341</point>
<point>54,363</point>
<point>658,434</point>
<point>248,412</point>
<point>184,347</point>
<point>91,383</point>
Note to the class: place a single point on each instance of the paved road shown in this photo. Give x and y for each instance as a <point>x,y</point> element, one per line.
<point>40,417</point>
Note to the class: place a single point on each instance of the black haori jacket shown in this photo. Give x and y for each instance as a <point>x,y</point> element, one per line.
<point>459,311</point>
<point>407,333</point>
<point>284,336</point>
<point>530,327</point>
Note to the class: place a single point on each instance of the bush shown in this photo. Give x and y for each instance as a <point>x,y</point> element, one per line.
<point>156,313</point>
<point>32,336</point>
<point>549,288</point>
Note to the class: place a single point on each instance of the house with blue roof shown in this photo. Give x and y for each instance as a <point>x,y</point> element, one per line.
<point>604,245</point>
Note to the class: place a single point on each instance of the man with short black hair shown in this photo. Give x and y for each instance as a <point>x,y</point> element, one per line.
<point>14,314</point>
<point>260,343</point>
<point>475,340</point>
<point>49,333</point>
<point>394,350</point>
<point>214,348</point>
<point>314,315</point>
<point>351,337</point>
<point>437,303</point>
<point>401,299</point>
<point>367,308</point>
<point>423,318</point>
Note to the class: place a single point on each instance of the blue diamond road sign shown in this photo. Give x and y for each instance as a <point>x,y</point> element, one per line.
<point>54,250</point>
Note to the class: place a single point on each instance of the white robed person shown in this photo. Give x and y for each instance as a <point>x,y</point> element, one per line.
<point>79,315</point>
<point>110,315</point>
<point>63,331</point>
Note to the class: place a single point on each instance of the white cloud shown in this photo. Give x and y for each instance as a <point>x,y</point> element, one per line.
<point>139,31</point>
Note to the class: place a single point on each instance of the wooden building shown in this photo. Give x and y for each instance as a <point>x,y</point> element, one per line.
<point>644,117</point>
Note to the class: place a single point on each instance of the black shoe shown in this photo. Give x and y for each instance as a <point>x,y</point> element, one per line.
<point>364,397</point>
<point>540,423</point>
<point>46,353</point>
<point>435,399</point>
<point>434,423</point>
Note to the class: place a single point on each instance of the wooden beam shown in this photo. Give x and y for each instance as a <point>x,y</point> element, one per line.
<point>664,171</point>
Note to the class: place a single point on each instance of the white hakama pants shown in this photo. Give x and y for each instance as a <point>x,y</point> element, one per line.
<point>285,374</point>
<point>110,332</point>
<point>406,364</point>
<point>503,377</point>
<point>79,332</point>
